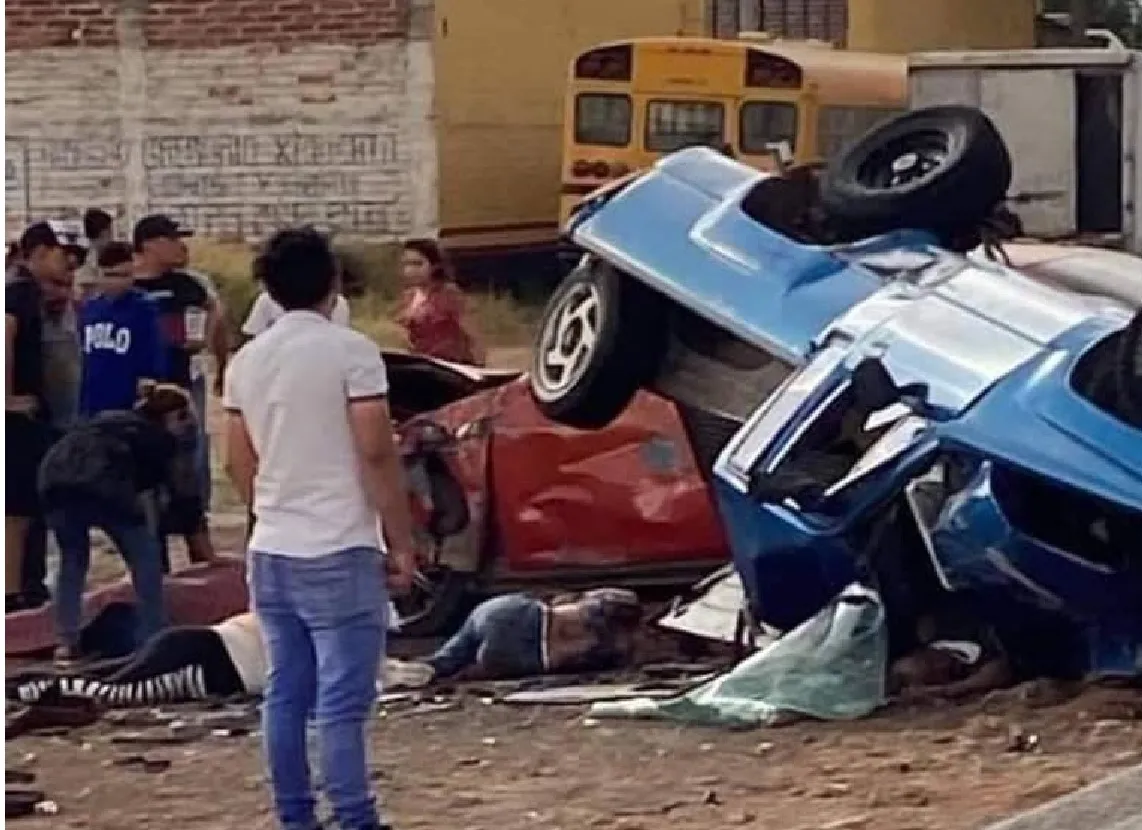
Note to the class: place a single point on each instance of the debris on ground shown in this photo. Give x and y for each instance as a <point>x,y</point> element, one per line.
<point>832,667</point>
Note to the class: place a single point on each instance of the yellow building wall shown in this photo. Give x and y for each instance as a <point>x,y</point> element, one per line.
<point>903,26</point>
<point>501,72</point>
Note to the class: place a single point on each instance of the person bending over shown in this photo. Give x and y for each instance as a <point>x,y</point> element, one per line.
<point>517,635</point>
<point>105,473</point>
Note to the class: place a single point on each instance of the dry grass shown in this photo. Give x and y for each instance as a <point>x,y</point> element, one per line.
<point>497,319</point>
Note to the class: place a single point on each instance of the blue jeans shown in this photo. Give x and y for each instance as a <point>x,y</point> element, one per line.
<point>198,397</point>
<point>502,635</point>
<point>324,623</point>
<point>137,544</point>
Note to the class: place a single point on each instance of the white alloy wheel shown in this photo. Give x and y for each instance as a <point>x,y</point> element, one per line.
<point>568,341</point>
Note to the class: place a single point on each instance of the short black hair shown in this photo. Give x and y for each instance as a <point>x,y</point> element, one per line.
<point>116,253</point>
<point>297,267</point>
<point>38,235</point>
<point>96,222</point>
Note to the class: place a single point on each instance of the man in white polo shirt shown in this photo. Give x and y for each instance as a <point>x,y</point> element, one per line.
<point>310,445</point>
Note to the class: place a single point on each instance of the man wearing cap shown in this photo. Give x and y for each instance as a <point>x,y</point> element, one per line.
<point>62,366</point>
<point>42,280</point>
<point>62,357</point>
<point>187,315</point>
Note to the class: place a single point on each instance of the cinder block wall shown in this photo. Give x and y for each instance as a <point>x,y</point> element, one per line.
<point>234,116</point>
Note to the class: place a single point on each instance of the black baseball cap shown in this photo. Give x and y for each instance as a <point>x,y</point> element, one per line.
<point>38,235</point>
<point>157,226</point>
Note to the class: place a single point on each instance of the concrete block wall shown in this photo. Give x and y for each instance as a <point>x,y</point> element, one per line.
<point>234,116</point>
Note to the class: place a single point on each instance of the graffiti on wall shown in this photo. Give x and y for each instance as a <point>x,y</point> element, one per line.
<point>56,177</point>
<point>15,186</point>
<point>241,185</point>
<point>249,184</point>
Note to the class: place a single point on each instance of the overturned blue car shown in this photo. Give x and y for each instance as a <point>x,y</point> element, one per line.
<point>885,397</point>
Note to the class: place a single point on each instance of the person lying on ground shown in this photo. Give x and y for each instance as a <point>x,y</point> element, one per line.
<point>964,654</point>
<point>105,473</point>
<point>948,670</point>
<point>517,635</point>
<point>181,664</point>
<point>509,636</point>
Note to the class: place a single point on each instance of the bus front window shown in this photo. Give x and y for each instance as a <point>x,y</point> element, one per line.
<point>602,119</point>
<point>765,125</point>
<point>672,125</point>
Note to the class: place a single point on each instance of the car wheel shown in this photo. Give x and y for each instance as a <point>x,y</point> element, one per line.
<point>439,596</point>
<point>1128,371</point>
<point>943,169</point>
<point>602,337</point>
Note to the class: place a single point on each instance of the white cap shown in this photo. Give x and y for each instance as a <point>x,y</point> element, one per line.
<point>70,233</point>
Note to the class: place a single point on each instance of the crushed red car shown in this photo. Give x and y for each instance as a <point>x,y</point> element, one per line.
<point>505,498</point>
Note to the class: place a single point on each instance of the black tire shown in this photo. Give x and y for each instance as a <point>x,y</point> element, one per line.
<point>436,603</point>
<point>629,339</point>
<point>943,169</point>
<point>1128,371</point>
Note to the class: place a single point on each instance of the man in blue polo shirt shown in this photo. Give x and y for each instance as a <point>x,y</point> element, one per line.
<point>119,333</point>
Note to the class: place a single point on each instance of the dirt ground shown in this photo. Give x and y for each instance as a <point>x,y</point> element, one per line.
<point>485,765</point>
<point>473,764</point>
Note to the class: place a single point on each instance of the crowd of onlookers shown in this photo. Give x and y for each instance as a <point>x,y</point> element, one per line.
<point>114,349</point>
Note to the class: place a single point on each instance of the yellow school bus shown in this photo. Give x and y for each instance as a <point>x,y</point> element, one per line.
<point>630,102</point>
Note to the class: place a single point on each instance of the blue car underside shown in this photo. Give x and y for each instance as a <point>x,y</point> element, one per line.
<point>946,429</point>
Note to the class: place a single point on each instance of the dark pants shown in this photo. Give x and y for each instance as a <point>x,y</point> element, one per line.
<point>503,636</point>
<point>178,665</point>
<point>324,622</point>
<point>138,546</point>
<point>35,573</point>
<point>26,440</point>
<point>26,443</point>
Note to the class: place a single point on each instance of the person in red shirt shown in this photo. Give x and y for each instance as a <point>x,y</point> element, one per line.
<point>432,309</point>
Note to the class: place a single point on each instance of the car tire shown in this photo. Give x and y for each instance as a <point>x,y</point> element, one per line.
<point>1128,371</point>
<point>434,606</point>
<point>943,169</point>
<point>601,338</point>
